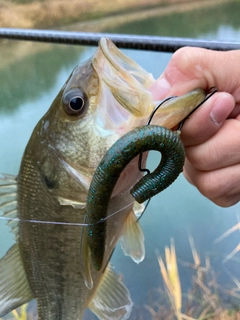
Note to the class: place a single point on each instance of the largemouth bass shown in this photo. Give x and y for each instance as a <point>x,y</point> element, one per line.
<point>104,98</point>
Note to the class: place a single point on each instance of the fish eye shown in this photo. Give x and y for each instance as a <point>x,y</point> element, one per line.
<point>75,102</point>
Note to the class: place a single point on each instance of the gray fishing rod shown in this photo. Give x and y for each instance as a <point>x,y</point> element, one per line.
<point>140,42</point>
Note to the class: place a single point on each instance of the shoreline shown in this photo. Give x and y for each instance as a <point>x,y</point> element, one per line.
<point>13,50</point>
<point>52,13</point>
<point>90,15</point>
<point>99,25</point>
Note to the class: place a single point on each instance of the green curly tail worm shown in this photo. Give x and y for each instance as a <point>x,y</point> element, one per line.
<point>150,137</point>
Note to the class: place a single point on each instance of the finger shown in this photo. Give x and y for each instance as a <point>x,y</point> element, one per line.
<point>220,151</point>
<point>220,186</point>
<point>208,119</point>
<point>191,68</point>
<point>236,111</point>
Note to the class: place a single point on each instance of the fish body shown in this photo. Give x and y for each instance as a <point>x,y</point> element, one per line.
<point>104,98</point>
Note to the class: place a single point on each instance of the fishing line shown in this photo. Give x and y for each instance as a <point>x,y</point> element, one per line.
<point>66,223</point>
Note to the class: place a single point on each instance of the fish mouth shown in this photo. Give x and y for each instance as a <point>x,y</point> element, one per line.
<point>126,101</point>
<point>176,109</point>
<point>127,82</point>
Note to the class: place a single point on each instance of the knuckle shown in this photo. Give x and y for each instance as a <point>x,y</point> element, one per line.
<point>218,189</point>
<point>199,160</point>
<point>187,58</point>
<point>208,187</point>
<point>224,202</point>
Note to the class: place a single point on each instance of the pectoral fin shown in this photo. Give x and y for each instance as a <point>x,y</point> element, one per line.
<point>14,287</point>
<point>112,299</point>
<point>72,203</point>
<point>132,240</point>
<point>138,208</point>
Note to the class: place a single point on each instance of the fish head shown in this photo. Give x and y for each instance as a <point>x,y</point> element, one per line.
<point>104,98</point>
<point>101,101</point>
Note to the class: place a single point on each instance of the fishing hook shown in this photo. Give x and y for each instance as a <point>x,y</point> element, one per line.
<point>141,155</point>
<point>148,123</point>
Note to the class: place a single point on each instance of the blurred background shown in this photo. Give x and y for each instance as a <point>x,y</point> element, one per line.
<point>31,75</point>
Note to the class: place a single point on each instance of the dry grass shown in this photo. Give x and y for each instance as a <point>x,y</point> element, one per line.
<point>203,300</point>
<point>236,227</point>
<point>21,314</point>
<point>171,279</point>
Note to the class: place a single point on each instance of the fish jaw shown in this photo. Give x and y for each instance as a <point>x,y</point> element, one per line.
<point>126,101</point>
<point>123,97</point>
<point>176,109</point>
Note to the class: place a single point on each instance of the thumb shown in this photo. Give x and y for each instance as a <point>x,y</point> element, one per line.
<point>190,68</point>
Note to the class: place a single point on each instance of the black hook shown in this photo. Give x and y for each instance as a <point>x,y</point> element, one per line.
<point>148,123</point>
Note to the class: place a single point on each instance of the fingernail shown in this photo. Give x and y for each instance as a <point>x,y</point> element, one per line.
<point>160,89</point>
<point>220,111</point>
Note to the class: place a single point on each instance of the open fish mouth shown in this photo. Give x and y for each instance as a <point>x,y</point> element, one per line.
<point>124,83</point>
<point>130,71</point>
<point>126,101</point>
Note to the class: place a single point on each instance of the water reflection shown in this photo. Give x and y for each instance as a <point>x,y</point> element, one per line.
<point>198,23</point>
<point>223,33</point>
<point>25,79</point>
<point>27,91</point>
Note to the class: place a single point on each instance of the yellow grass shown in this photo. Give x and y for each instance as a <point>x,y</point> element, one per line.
<point>21,315</point>
<point>203,300</point>
<point>171,278</point>
<point>225,235</point>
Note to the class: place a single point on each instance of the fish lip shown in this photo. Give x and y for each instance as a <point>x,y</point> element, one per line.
<point>124,64</point>
<point>174,110</point>
<point>127,80</point>
<point>129,84</point>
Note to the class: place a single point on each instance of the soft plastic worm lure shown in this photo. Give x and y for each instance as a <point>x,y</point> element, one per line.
<point>149,137</point>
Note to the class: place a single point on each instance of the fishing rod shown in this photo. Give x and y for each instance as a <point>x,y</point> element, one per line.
<point>140,42</point>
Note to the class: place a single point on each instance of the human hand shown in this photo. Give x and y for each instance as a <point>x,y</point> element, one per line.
<point>211,135</point>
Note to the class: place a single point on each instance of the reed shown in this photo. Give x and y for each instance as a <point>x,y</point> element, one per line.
<point>203,301</point>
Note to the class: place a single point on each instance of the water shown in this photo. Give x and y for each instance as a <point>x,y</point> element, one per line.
<point>30,82</point>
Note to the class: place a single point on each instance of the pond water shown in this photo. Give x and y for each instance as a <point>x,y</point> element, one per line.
<point>30,82</point>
